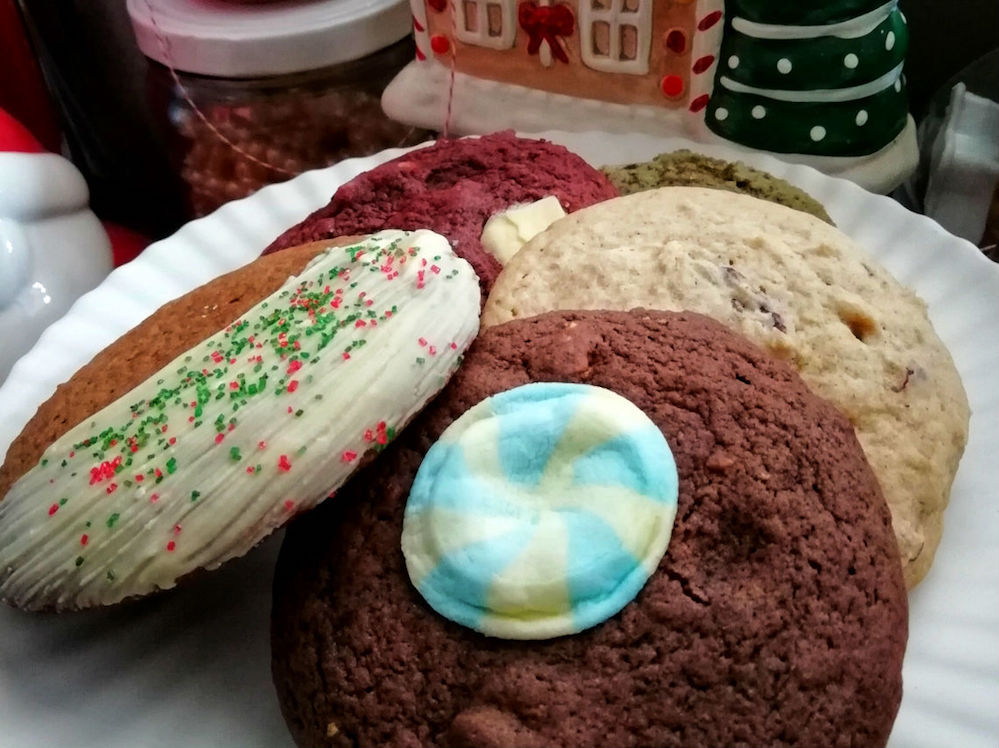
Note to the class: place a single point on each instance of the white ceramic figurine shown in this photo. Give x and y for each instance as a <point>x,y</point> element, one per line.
<point>52,247</point>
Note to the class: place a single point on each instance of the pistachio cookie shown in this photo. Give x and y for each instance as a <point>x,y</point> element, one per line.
<point>685,168</point>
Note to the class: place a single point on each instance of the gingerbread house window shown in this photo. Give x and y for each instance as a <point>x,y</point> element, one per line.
<point>615,35</point>
<point>486,23</point>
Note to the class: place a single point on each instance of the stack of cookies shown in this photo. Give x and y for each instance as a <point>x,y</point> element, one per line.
<point>669,492</point>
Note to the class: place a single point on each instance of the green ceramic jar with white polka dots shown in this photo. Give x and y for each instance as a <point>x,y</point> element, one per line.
<point>826,62</point>
<point>832,89</point>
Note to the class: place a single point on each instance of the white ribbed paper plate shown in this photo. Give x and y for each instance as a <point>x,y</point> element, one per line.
<point>191,668</point>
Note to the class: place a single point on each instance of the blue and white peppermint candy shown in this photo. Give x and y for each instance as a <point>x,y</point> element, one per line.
<point>541,511</point>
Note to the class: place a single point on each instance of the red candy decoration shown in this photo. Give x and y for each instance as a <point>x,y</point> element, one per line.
<point>440,44</point>
<point>438,5</point>
<point>699,103</point>
<point>672,86</point>
<point>703,64</point>
<point>709,20</point>
<point>676,41</point>
<point>546,23</point>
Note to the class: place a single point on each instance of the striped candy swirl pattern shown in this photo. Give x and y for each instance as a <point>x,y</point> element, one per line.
<point>541,511</point>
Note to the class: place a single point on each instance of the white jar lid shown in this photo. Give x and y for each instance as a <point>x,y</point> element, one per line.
<point>236,40</point>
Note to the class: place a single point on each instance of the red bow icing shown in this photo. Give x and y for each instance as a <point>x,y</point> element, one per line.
<point>545,23</point>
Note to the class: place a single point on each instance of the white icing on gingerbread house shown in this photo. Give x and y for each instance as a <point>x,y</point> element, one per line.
<point>623,51</point>
<point>617,36</point>
<point>819,85</point>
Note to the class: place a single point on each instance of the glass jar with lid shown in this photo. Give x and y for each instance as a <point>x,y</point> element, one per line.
<point>252,94</point>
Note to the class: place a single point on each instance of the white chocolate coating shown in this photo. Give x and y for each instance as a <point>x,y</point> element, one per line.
<point>262,420</point>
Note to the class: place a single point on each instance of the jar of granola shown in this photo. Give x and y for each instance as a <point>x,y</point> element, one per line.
<point>252,94</point>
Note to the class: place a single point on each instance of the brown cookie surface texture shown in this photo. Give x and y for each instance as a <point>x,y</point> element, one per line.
<point>777,616</point>
<point>792,284</point>
<point>453,187</point>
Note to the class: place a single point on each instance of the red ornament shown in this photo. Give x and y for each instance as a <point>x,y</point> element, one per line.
<point>709,20</point>
<point>676,41</point>
<point>438,5</point>
<point>672,86</point>
<point>703,64</point>
<point>440,44</point>
<point>699,103</point>
<point>546,23</point>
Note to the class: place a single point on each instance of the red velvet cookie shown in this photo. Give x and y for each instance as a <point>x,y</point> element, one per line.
<point>777,616</point>
<point>453,187</point>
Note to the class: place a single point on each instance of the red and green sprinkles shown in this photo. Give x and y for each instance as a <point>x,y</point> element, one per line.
<point>196,404</point>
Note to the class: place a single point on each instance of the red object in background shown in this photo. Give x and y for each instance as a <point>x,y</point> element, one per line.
<point>126,244</point>
<point>15,137</point>
<point>22,88</point>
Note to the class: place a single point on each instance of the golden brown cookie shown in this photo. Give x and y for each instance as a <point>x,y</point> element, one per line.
<point>226,413</point>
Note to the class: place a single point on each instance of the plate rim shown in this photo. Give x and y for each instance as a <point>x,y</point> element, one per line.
<point>310,190</point>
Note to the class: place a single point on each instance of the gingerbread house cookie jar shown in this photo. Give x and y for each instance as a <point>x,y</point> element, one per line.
<point>818,83</point>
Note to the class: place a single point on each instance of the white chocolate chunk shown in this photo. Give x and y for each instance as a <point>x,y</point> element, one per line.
<point>506,232</point>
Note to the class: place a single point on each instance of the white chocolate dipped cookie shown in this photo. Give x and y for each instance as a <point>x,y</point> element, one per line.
<point>795,286</point>
<point>226,413</point>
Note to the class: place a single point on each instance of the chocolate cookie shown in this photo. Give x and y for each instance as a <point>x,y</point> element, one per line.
<point>777,616</point>
<point>453,187</point>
